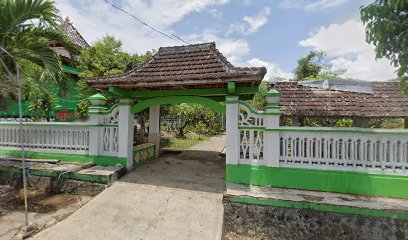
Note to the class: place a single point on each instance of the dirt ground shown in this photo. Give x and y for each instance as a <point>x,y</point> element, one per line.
<point>45,209</point>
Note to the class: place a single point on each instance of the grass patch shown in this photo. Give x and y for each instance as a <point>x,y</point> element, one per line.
<point>182,144</point>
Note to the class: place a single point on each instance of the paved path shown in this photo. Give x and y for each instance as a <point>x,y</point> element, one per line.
<point>209,149</point>
<point>169,198</point>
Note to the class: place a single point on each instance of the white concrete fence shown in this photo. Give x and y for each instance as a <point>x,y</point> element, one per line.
<point>261,141</point>
<point>97,136</point>
<point>345,149</point>
<point>253,138</point>
<point>53,136</point>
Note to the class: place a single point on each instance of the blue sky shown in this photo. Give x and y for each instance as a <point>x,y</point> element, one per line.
<point>270,33</point>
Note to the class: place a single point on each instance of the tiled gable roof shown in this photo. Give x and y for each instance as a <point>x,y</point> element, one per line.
<point>183,66</point>
<point>386,101</point>
<point>74,35</point>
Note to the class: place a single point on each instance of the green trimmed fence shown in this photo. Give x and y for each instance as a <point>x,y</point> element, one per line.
<point>351,160</point>
<point>95,140</point>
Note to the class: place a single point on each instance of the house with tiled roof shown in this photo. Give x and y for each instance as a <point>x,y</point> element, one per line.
<point>73,34</point>
<point>358,100</point>
<point>183,67</point>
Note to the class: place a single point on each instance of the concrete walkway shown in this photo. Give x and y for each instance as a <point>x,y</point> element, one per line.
<point>169,198</point>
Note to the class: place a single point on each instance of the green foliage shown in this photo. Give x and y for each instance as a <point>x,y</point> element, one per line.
<point>26,27</point>
<point>310,66</point>
<point>193,114</point>
<point>106,57</point>
<point>83,92</point>
<point>386,123</point>
<point>38,87</point>
<point>7,90</point>
<point>324,76</point>
<point>315,67</point>
<point>259,100</point>
<point>41,103</point>
<point>343,122</point>
<point>387,28</point>
<point>181,144</point>
<point>200,128</point>
<point>81,110</point>
<point>322,122</point>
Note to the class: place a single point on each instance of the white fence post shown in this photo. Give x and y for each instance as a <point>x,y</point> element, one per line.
<point>95,111</point>
<point>233,138</point>
<point>154,127</point>
<point>94,133</point>
<point>125,122</point>
<point>272,118</point>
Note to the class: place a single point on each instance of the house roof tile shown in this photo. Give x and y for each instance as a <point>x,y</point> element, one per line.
<point>191,66</point>
<point>386,101</point>
<point>74,35</point>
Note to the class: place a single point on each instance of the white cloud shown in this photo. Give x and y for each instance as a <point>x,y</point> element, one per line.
<point>251,24</point>
<point>273,70</point>
<point>308,5</point>
<point>217,14</point>
<point>257,21</point>
<point>345,44</point>
<point>234,49</point>
<point>237,51</point>
<point>323,4</point>
<point>95,18</point>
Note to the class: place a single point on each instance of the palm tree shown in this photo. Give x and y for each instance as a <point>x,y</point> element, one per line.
<point>26,28</point>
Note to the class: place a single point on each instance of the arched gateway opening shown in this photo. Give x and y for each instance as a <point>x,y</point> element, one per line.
<point>184,74</point>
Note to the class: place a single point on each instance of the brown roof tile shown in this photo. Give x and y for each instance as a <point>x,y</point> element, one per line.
<point>74,35</point>
<point>387,101</point>
<point>188,66</point>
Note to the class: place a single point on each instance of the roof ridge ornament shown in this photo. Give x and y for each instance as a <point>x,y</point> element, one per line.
<point>68,20</point>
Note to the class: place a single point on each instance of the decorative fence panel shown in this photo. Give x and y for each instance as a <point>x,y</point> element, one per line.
<point>383,151</point>
<point>110,133</point>
<point>55,137</point>
<point>364,151</point>
<point>251,132</point>
<point>73,138</point>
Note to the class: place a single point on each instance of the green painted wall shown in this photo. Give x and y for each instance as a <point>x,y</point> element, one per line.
<point>319,180</point>
<point>177,100</point>
<point>98,160</point>
<point>69,101</point>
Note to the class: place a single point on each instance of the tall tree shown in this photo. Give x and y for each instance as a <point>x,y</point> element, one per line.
<point>106,57</point>
<point>310,66</point>
<point>26,27</point>
<point>192,114</point>
<point>315,66</point>
<point>387,28</point>
<point>259,100</point>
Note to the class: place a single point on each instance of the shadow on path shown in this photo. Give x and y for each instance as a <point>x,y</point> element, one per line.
<point>191,170</point>
<point>168,198</point>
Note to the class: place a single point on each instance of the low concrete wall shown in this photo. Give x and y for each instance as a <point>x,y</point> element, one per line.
<point>248,221</point>
<point>50,184</point>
